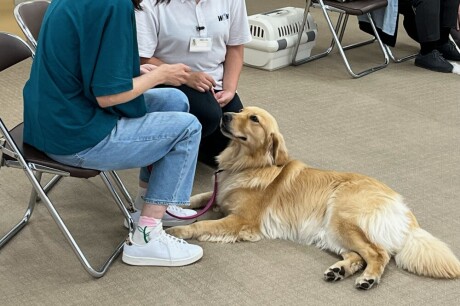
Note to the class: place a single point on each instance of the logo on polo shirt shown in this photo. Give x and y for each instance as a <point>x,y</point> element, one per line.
<point>223,17</point>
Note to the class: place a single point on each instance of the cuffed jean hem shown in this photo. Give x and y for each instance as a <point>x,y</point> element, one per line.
<point>165,203</point>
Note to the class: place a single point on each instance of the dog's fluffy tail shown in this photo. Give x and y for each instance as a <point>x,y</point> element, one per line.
<point>426,255</point>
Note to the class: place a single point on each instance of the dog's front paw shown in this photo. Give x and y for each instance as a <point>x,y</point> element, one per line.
<point>183,232</point>
<point>365,283</point>
<point>334,274</point>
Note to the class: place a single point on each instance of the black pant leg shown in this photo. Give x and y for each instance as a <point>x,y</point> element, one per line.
<point>431,16</point>
<point>212,145</point>
<point>427,19</point>
<point>449,13</point>
<point>204,106</point>
<point>405,9</point>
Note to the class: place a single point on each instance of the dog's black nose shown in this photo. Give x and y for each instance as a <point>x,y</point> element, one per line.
<point>227,118</point>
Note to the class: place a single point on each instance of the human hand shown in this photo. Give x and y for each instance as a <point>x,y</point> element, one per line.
<point>175,74</point>
<point>200,81</point>
<point>458,19</point>
<point>145,68</point>
<point>223,97</point>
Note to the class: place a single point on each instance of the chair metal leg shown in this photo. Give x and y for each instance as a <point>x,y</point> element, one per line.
<point>25,219</point>
<point>6,139</point>
<point>401,59</point>
<point>296,62</point>
<point>123,190</point>
<point>355,45</point>
<point>38,191</point>
<point>117,198</point>
<point>54,180</point>
<point>342,52</point>
<point>51,183</point>
<point>78,252</point>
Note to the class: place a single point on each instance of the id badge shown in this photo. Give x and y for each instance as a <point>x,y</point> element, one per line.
<point>200,44</point>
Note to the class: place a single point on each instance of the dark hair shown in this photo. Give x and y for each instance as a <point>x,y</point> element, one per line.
<point>137,4</point>
<point>162,1</point>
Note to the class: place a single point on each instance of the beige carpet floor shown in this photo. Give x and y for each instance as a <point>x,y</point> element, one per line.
<point>400,125</point>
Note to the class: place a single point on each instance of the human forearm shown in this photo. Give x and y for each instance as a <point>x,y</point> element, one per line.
<point>458,18</point>
<point>175,75</point>
<point>140,85</point>
<point>152,60</point>
<point>232,67</point>
<point>197,80</point>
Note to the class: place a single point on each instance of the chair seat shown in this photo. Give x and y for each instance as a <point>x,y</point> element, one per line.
<point>358,7</point>
<point>33,155</point>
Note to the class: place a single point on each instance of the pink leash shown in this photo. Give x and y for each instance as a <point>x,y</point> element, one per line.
<point>208,205</point>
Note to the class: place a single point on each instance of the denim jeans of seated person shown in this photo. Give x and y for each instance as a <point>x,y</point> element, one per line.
<point>167,137</point>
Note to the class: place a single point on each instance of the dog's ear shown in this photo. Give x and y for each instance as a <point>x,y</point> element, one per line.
<point>278,150</point>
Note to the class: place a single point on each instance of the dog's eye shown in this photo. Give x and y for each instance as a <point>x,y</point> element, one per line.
<point>254,118</point>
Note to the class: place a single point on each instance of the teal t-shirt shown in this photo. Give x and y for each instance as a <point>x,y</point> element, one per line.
<point>86,48</point>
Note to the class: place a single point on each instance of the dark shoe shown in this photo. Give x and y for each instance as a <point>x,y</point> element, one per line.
<point>433,61</point>
<point>449,51</point>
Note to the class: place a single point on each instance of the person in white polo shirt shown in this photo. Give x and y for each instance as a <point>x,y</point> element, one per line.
<point>208,36</point>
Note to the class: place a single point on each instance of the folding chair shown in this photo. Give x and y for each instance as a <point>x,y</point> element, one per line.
<point>345,9</point>
<point>29,16</point>
<point>15,153</point>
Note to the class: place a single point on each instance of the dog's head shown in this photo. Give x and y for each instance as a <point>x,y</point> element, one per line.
<point>255,139</point>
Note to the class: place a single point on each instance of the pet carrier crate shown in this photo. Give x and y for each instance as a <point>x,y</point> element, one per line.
<point>274,36</point>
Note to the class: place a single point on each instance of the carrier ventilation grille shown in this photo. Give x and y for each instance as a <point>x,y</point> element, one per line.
<point>256,31</point>
<point>289,29</point>
<point>283,31</point>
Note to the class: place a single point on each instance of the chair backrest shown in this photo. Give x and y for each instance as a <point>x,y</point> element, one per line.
<point>29,16</point>
<point>13,50</point>
<point>358,7</point>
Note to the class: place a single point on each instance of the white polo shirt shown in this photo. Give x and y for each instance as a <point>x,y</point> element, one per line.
<point>165,30</point>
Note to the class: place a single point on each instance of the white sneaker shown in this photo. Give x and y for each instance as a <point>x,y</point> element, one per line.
<point>161,250</point>
<point>180,212</point>
<point>167,219</point>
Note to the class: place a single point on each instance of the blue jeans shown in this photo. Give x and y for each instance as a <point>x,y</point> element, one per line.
<point>167,137</point>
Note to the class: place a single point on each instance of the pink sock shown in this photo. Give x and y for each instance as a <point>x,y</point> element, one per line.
<point>148,221</point>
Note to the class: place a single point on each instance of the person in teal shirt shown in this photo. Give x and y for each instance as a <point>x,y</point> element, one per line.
<point>89,103</point>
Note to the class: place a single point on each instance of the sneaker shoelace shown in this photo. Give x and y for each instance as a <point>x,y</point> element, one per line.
<point>163,236</point>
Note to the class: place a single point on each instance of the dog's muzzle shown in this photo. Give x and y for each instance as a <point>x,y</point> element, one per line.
<point>225,127</point>
<point>227,117</point>
<point>224,123</point>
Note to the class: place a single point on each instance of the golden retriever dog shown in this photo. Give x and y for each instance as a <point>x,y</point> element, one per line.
<point>266,195</point>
